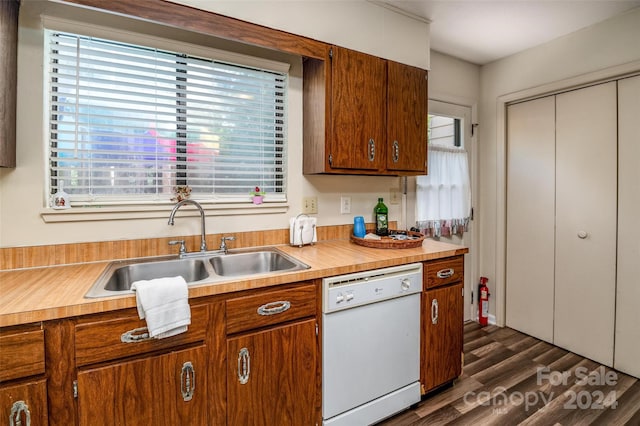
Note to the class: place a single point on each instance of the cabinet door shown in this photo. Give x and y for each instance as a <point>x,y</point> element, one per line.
<point>586,198</point>
<point>271,376</point>
<point>166,389</point>
<point>407,102</point>
<point>627,334</point>
<point>24,401</point>
<point>442,332</point>
<point>531,203</point>
<point>358,88</point>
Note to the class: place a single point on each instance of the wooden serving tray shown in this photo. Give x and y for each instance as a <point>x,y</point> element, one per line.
<point>390,243</point>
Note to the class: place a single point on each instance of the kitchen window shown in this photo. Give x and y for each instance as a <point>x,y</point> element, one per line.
<point>128,123</point>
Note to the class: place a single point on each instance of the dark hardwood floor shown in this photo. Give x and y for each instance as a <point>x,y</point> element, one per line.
<point>510,378</point>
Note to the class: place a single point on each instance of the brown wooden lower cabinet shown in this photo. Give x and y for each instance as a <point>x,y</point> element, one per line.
<point>442,325</point>
<point>271,376</point>
<point>23,386</point>
<point>24,400</point>
<point>167,389</point>
<point>252,358</point>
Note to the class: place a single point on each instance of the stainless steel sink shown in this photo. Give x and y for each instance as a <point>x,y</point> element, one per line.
<point>189,269</point>
<point>258,262</point>
<point>207,268</point>
<point>118,276</point>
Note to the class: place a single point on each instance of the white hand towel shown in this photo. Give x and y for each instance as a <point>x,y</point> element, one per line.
<point>163,302</point>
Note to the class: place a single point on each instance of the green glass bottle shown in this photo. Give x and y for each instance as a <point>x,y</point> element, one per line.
<point>381,215</point>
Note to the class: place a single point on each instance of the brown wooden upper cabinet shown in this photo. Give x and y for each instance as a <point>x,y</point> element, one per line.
<point>8,71</point>
<point>364,115</point>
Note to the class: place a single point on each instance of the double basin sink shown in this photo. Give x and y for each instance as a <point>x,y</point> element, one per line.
<point>199,269</point>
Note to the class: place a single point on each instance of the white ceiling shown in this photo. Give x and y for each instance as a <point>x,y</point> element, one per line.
<point>481,31</point>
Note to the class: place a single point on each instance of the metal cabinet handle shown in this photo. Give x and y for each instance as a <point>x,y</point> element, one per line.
<point>372,149</point>
<point>15,418</point>
<point>434,311</point>
<point>136,335</point>
<point>187,381</point>
<point>273,308</point>
<point>396,151</point>
<point>244,366</point>
<point>445,273</point>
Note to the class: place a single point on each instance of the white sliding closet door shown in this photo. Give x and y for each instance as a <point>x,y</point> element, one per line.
<point>531,217</point>
<point>586,215</point>
<point>627,349</point>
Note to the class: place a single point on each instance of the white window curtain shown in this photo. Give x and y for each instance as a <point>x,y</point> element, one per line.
<point>443,197</point>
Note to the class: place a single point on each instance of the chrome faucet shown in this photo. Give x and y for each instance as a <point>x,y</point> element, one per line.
<point>203,242</point>
<point>223,243</point>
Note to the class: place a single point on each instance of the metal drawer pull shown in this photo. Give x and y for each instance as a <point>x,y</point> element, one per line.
<point>273,308</point>
<point>187,381</point>
<point>136,335</point>
<point>15,418</point>
<point>445,273</point>
<point>396,151</point>
<point>244,366</point>
<point>372,149</point>
<point>434,311</point>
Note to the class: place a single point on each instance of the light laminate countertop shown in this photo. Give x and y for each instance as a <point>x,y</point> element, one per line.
<point>54,292</point>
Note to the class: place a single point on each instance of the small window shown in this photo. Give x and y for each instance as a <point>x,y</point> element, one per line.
<point>444,131</point>
<point>129,123</point>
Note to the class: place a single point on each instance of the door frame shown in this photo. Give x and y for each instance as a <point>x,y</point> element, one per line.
<point>467,113</point>
<point>589,79</point>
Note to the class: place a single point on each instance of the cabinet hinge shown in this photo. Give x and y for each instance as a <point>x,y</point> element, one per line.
<point>330,160</point>
<point>75,389</point>
<point>331,53</point>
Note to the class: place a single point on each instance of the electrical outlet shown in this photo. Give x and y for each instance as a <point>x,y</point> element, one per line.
<point>345,205</point>
<point>395,196</point>
<point>310,205</point>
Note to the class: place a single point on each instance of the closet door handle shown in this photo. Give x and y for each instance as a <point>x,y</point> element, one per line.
<point>187,381</point>
<point>15,417</point>
<point>434,311</point>
<point>244,366</point>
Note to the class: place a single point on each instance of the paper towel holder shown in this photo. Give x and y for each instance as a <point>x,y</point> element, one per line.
<point>295,227</point>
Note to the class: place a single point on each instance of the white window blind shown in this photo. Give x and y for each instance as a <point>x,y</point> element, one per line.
<point>129,123</point>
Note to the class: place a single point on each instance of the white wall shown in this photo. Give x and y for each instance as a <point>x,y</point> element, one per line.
<point>22,190</point>
<point>575,58</point>
<point>356,24</point>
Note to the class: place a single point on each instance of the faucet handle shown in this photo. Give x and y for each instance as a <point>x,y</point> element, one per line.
<point>183,249</point>
<point>223,242</point>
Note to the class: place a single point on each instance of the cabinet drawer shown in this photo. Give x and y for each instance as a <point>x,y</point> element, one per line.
<point>100,340</point>
<point>21,354</point>
<point>29,399</point>
<point>443,272</point>
<point>269,308</point>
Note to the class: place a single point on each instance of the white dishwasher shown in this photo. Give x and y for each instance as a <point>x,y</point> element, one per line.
<point>370,345</point>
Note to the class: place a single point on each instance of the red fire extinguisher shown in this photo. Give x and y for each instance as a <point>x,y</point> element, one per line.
<point>483,301</point>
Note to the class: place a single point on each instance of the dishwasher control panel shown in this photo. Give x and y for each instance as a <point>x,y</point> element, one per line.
<point>361,288</point>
